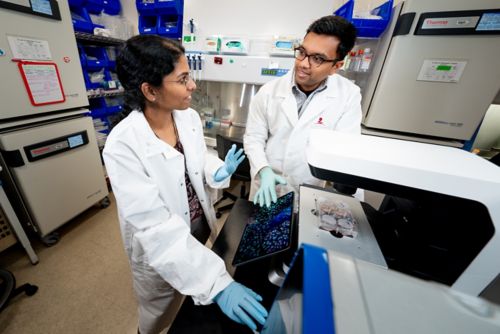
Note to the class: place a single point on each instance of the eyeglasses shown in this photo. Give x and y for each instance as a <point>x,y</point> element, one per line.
<point>314,59</point>
<point>182,81</point>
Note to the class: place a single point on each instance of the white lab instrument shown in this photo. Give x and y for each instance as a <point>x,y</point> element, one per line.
<point>441,214</point>
<point>329,292</point>
<point>49,151</point>
<point>57,169</point>
<point>435,71</point>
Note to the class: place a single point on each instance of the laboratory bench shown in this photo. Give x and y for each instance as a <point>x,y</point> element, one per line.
<point>210,319</point>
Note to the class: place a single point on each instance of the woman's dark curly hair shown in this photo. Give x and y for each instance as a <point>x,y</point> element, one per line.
<point>145,58</point>
<point>338,27</point>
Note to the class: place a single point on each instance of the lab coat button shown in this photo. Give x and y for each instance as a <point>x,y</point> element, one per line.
<point>185,213</point>
<point>202,201</point>
<point>195,173</point>
<point>182,184</point>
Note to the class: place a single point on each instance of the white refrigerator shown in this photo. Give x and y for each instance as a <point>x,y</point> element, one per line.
<point>51,162</point>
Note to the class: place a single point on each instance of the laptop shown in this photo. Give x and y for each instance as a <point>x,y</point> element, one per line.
<point>268,232</point>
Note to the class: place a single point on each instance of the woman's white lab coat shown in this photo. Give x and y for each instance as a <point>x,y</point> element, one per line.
<point>147,177</point>
<point>275,135</point>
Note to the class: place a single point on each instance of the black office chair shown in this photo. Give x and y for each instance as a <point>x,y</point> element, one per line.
<point>8,288</point>
<point>242,173</point>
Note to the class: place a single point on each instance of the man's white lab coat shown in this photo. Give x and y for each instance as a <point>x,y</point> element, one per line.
<point>275,135</point>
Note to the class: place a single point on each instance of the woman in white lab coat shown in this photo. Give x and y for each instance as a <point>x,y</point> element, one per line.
<point>162,178</point>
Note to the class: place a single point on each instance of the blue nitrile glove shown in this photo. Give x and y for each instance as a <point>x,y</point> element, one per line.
<point>241,305</point>
<point>230,164</point>
<point>267,190</point>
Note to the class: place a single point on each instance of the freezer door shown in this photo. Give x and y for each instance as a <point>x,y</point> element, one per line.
<point>437,85</point>
<point>39,39</point>
<point>57,169</point>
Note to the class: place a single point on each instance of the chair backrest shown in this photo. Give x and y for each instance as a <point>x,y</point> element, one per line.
<point>223,145</point>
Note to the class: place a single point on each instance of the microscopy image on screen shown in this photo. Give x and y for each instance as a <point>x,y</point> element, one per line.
<point>269,231</point>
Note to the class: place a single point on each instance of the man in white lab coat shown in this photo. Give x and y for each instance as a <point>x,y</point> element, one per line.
<point>285,110</point>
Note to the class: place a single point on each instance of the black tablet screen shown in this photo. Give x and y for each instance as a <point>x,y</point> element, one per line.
<point>269,231</point>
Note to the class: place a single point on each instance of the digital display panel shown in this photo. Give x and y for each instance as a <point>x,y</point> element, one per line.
<point>489,22</point>
<point>268,232</point>
<point>268,71</point>
<point>75,141</point>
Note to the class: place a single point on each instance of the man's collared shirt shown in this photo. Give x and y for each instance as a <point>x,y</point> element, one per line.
<point>302,98</point>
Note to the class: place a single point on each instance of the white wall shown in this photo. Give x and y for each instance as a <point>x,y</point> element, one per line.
<point>129,11</point>
<point>255,18</point>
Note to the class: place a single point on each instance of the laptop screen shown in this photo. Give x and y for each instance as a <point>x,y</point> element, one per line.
<point>269,231</point>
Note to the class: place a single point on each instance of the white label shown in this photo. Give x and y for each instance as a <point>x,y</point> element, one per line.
<point>450,22</point>
<point>29,48</point>
<point>441,70</point>
<point>43,83</point>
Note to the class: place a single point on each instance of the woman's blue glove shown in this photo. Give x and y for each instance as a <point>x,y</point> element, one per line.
<point>241,305</point>
<point>267,190</point>
<point>230,164</point>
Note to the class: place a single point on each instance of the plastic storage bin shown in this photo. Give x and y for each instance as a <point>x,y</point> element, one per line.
<point>98,107</point>
<point>169,6</point>
<point>94,6</point>
<point>170,25</point>
<point>81,20</point>
<point>111,53</point>
<point>368,27</point>
<point>96,57</point>
<point>83,57</point>
<point>95,79</point>
<point>147,24</point>
<point>112,7</point>
<point>146,7</point>
<point>76,3</point>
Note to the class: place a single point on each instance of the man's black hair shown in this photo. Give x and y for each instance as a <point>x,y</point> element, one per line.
<point>338,27</point>
<point>145,58</point>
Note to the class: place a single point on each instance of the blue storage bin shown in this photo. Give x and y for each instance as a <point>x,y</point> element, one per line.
<point>96,57</point>
<point>95,78</point>
<point>169,6</point>
<point>112,7</point>
<point>114,104</point>
<point>81,20</point>
<point>94,6</point>
<point>146,7</point>
<point>111,53</point>
<point>76,3</point>
<point>83,58</point>
<point>98,107</point>
<point>169,25</point>
<point>147,24</point>
<point>367,27</point>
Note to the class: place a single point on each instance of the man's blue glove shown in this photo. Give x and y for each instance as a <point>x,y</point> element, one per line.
<point>267,190</point>
<point>241,305</point>
<point>230,164</point>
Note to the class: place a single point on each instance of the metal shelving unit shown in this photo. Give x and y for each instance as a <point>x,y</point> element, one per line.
<point>85,38</point>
